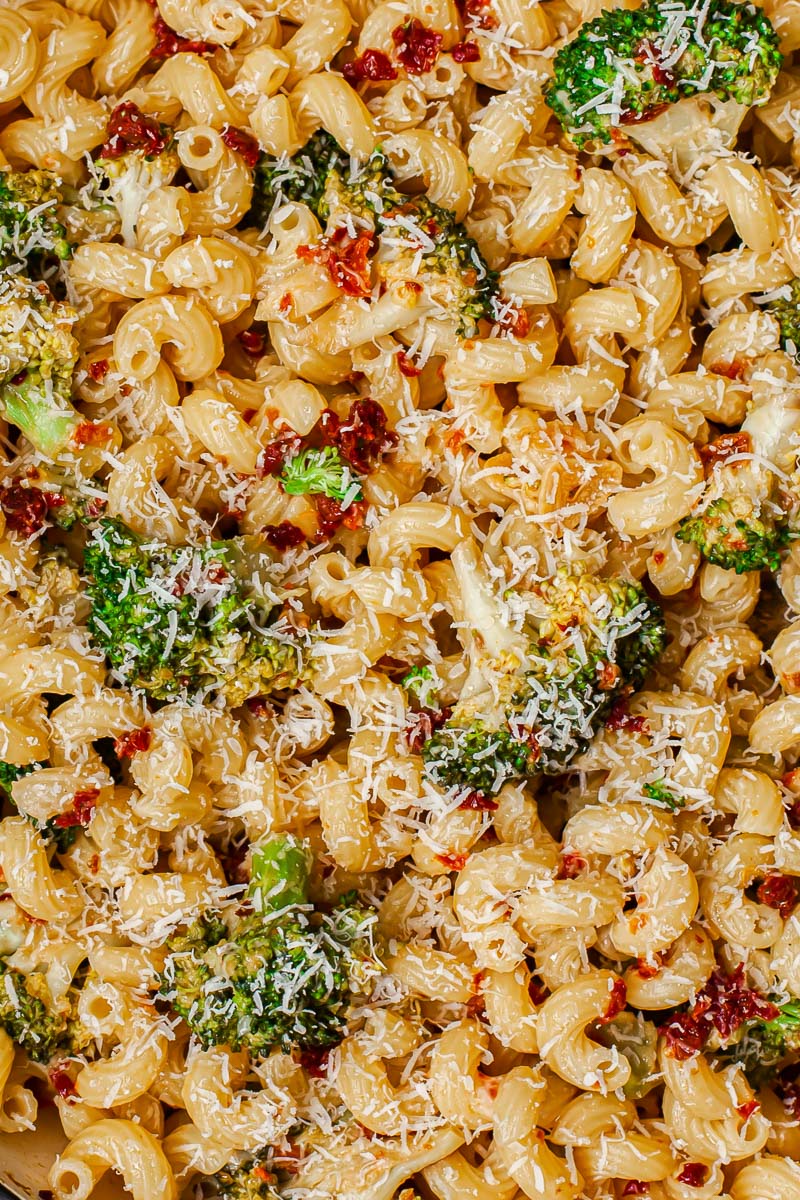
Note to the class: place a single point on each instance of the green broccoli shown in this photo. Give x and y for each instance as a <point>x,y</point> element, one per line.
<point>137,158</point>
<point>585,642</point>
<point>625,66</point>
<point>421,684</point>
<point>188,620</point>
<point>785,307</point>
<point>250,1179</point>
<point>29,228</point>
<point>283,974</point>
<point>37,357</point>
<point>765,1046</point>
<point>659,793</point>
<point>737,536</point>
<point>415,236</point>
<point>33,1020</point>
<point>321,472</point>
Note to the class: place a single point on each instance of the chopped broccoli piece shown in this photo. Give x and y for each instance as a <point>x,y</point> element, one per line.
<point>415,235</point>
<point>320,473</point>
<point>32,1019</point>
<point>659,793</point>
<point>9,774</point>
<point>37,357</point>
<point>637,1040</point>
<point>626,66</point>
<point>420,683</point>
<point>183,620</point>
<point>282,975</point>
<point>765,1046</point>
<point>785,307</point>
<point>29,229</point>
<point>734,535</point>
<point>250,1179</point>
<point>588,641</point>
<point>137,158</point>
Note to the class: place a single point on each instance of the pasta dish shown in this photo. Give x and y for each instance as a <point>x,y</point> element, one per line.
<point>400,598</point>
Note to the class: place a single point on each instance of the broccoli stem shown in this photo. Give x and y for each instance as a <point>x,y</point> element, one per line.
<point>279,874</point>
<point>32,406</point>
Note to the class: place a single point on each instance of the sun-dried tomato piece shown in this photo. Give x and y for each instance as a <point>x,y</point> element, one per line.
<point>515,320</point>
<point>345,258</point>
<point>477,802</point>
<point>98,369</point>
<point>417,46</point>
<point>780,892</point>
<point>373,65</point>
<point>617,999</point>
<point>571,866</point>
<point>242,143</point>
<point>168,42</point>
<point>724,1005</point>
<point>422,724</point>
<point>476,14</point>
<point>135,742</point>
<point>407,365</point>
<point>252,342</point>
<point>363,437</point>
<point>724,447</point>
<point>315,1062</point>
<point>131,129</point>
<point>25,509</point>
<point>62,1084</point>
<point>453,862</point>
<point>693,1174</point>
<point>620,718</point>
<point>464,52</point>
<point>275,453</point>
<point>285,536</point>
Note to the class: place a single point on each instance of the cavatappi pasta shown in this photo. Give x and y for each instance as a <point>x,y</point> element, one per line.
<point>399,597</point>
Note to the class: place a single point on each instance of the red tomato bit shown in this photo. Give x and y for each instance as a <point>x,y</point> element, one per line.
<point>135,742</point>
<point>780,892</point>
<point>285,536</point>
<point>693,1174</point>
<point>25,509</point>
<point>373,65</point>
<point>346,259</point>
<point>242,142</point>
<point>82,811</point>
<point>464,52</point>
<point>130,129</point>
<point>417,46</point>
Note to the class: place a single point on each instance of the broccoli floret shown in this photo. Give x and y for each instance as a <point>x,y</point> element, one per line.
<point>765,1046</point>
<point>625,66</point>
<point>420,683</point>
<point>660,794</point>
<point>185,620</point>
<point>588,642</point>
<point>283,975</point>
<point>32,1019</point>
<point>735,535</point>
<point>415,236</point>
<point>138,157</point>
<point>320,473</point>
<point>785,307</point>
<point>37,357</point>
<point>250,1179</point>
<point>29,228</point>
<point>9,774</point>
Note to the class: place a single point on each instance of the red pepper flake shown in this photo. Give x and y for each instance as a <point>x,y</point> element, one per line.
<point>693,1174</point>
<point>82,811</point>
<point>25,509</point>
<point>168,42</point>
<point>659,558</point>
<point>636,1187</point>
<point>417,46</point>
<point>407,365</point>
<point>362,438</point>
<point>252,342</point>
<point>722,448</point>
<point>62,1084</point>
<point>92,433</point>
<point>477,802</point>
<point>464,52</point>
<point>724,1005</point>
<point>130,129</point>
<point>515,321</point>
<point>608,676</point>
<point>617,999</point>
<point>649,970</point>
<point>331,516</point>
<point>315,1062</point>
<point>135,742</point>
<point>98,369</point>
<point>453,862</point>
<point>620,718</point>
<point>242,143</point>
<point>747,1109</point>
<point>780,892</point>
<point>571,866</point>
<point>629,117</point>
<point>346,259</point>
<point>275,453</point>
<point>373,65</point>
<point>285,536</point>
<point>423,724</point>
